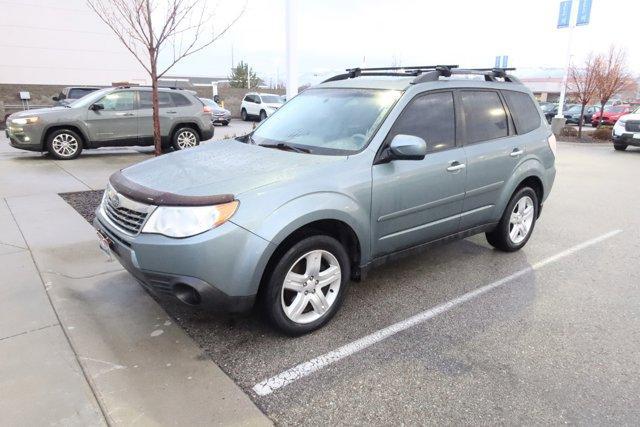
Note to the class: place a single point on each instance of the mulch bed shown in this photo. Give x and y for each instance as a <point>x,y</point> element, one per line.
<point>85,202</point>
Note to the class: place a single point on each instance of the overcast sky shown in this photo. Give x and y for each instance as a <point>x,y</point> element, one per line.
<point>336,34</point>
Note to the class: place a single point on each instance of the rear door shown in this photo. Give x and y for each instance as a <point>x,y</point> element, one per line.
<point>145,115</point>
<point>117,122</point>
<point>417,201</point>
<point>493,150</point>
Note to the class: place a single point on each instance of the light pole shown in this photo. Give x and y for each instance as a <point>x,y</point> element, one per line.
<point>290,34</point>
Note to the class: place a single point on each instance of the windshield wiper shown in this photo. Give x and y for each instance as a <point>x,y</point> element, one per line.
<point>283,146</point>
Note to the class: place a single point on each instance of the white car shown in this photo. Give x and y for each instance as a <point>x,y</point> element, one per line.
<point>626,131</point>
<point>260,105</point>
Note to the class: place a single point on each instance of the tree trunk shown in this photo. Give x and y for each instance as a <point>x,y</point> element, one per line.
<point>601,112</point>
<point>581,122</point>
<point>157,138</point>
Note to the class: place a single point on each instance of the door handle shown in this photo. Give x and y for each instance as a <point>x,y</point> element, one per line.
<point>516,152</point>
<point>172,112</point>
<point>124,114</point>
<point>456,166</point>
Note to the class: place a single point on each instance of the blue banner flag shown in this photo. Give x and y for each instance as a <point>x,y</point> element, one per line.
<point>565,14</point>
<point>505,60</point>
<point>584,12</point>
<point>497,63</point>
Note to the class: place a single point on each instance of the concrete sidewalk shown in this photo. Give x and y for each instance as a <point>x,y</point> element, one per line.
<point>81,343</point>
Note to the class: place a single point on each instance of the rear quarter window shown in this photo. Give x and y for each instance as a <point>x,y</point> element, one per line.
<point>180,100</point>
<point>523,111</point>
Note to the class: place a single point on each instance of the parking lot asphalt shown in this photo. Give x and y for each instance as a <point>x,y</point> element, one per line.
<point>557,342</point>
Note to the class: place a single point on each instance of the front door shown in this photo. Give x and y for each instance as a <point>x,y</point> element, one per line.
<point>417,201</point>
<point>117,122</point>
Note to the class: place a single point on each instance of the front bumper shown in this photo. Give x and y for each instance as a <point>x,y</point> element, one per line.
<point>627,138</point>
<point>222,119</point>
<point>24,138</point>
<point>223,265</point>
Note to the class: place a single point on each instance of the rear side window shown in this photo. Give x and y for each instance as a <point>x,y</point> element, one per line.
<point>179,100</point>
<point>432,118</point>
<point>164,99</point>
<point>484,116</point>
<point>523,111</point>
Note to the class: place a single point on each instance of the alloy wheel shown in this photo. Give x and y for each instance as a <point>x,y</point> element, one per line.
<point>187,139</point>
<point>311,286</point>
<point>521,220</point>
<point>65,145</point>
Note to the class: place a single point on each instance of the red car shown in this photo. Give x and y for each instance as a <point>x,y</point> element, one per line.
<point>611,115</point>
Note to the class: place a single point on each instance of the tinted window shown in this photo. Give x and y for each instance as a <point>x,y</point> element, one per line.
<point>432,118</point>
<point>180,100</point>
<point>271,99</point>
<point>80,92</point>
<point>525,112</point>
<point>164,99</point>
<point>484,116</point>
<point>249,98</point>
<point>118,101</point>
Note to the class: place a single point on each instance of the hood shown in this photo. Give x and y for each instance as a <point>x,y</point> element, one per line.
<point>224,167</point>
<point>628,117</point>
<point>37,112</point>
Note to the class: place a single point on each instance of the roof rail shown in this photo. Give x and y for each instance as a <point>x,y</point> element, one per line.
<point>147,86</point>
<point>415,70</point>
<point>490,74</point>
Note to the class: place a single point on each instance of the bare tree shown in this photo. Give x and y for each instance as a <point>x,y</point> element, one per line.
<point>612,76</point>
<point>149,27</point>
<point>583,83</point>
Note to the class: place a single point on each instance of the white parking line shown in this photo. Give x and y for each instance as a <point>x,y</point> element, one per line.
<point>272,384</point>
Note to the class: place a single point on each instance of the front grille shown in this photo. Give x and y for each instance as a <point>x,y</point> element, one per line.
<point>632,126</point>
<point>124,213</point>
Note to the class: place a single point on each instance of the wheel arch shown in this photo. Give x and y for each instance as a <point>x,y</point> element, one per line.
<point>192,125</point>
<point>529,173</point>
<point>54,127</point>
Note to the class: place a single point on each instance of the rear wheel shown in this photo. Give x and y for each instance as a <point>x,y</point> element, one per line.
<point>517,222</point>
<point>620,147</point>
<point>243,115</point>
<point>185,137</point>
<point>64,144</point>
<point>307,285</point>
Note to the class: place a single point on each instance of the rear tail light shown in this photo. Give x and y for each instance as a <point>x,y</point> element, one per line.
<point>553,144</point>
<point>207,109</point>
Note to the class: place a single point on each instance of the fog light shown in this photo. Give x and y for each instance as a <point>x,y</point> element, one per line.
<point>27,139</point>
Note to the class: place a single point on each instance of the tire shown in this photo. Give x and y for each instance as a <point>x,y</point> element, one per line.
<point>64,144</point>
<point>225,123</point>
<point>312,312</point>
<point>502,237</point>
<point>620,147</point>
<point>185,137</point>
<point>263,115</point>
<point>243,115</point>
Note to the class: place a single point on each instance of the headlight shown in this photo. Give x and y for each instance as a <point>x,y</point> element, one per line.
<point>175,221</point>
<point>24,120</point>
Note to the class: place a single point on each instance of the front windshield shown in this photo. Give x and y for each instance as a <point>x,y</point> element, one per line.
<point>271,99</point>
<point>328,121</point>
<point>89,99</point>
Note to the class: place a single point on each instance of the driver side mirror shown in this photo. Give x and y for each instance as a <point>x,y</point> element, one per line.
<point>97,106</point>
<point>55,98</point>
<point>404,147</point>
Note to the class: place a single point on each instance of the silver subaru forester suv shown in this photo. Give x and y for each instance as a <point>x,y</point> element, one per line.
<point>366,167</point>
<point>111,117</point>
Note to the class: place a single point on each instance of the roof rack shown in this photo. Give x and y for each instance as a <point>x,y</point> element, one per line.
<point>427,73</point>
<point>415,70</point>
<point>490,74</point>
<point>147,86</point>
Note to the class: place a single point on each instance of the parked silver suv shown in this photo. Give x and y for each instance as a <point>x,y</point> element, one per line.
<point>111,117</point>
<point>345,176</point>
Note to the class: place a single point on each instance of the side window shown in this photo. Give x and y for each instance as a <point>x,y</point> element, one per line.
<point>432,118</point>
<point>164,99</point>
<point>179,100</point>
<point>523,110</point>
<point>484,116</point>
<point>248,98</point>
<point>119,101</point>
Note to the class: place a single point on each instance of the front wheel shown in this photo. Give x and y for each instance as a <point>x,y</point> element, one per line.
<point>307,285</point>
<point>517,222</point>
<point>64,144</point>
<point>263,115</point>
<point>620,147</point>
<point>185,138</point>
<point>243,115</point>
